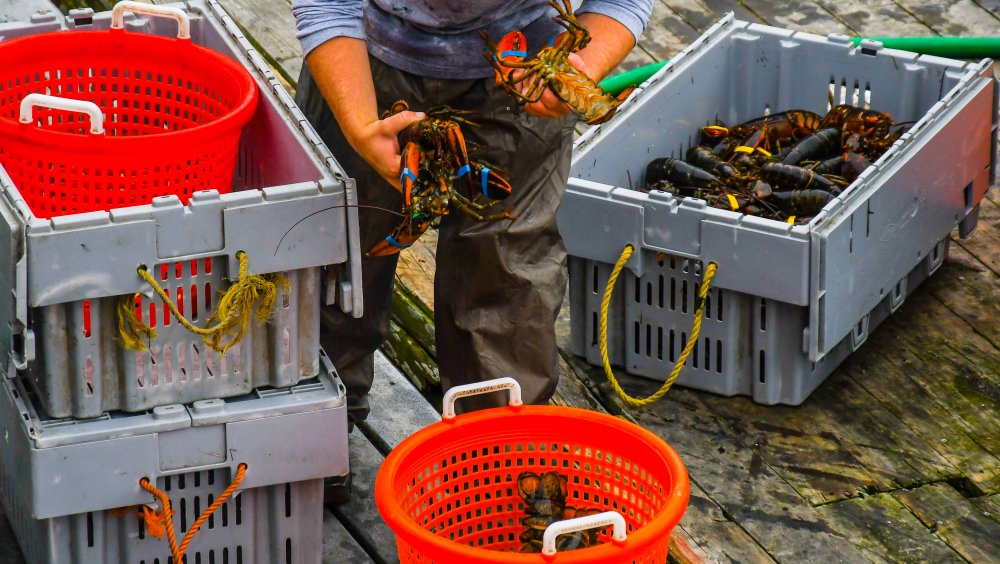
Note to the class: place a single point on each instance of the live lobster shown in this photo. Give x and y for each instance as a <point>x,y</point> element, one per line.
<point>435,160</point>
<point>550,69</point>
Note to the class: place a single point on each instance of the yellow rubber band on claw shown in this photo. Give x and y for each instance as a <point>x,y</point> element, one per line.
<point>763,152</point>
<point>735,205</point>
<point>716,129</point>
<point>743,149</point>
<point>791,220</point>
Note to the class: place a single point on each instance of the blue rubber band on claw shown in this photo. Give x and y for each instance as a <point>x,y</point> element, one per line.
<point>485,174</point>
<point>396,243</point>
<point>407,172</point>
<point>464,170</point>
<point>514,54</point>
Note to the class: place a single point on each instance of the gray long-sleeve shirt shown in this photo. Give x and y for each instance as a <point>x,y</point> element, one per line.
<point>440,38</point>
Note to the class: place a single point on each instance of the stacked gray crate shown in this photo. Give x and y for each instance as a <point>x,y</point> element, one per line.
<point>290,211</point>
<point>84,420</point>
<point>788,303</point>
<point>60,479</point>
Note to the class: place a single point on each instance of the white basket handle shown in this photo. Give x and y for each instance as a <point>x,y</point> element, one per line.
<point>582,524</point>
<point>506,383</point>
<point>57,103</point>
<point>183,22</point>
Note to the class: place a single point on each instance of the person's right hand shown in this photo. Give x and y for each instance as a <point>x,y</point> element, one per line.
<point>378,144</point>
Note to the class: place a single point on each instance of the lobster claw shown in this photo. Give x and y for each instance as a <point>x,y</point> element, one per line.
<point>487,181</point>
<point>513,47</point>
<point>403,236</point>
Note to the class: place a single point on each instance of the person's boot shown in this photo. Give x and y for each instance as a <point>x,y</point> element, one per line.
<point>337,489</point>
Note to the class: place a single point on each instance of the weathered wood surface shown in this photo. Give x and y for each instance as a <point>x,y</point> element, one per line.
<point>21,10</point>
<point>895,457</point>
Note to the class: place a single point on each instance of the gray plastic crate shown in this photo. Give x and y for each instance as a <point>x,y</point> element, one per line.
<point>788,303</point>
<point>290,211</point>
<point>59,478</point>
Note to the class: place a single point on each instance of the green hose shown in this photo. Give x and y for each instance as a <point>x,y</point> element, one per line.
<point>953,47</point>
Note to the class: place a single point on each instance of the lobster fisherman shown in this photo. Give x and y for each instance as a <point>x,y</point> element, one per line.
<point>499,285</point>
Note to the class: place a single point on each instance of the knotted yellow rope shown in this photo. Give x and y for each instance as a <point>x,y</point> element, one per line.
<point>688,347</point>
<point>231,318</point>
<point>134,333</point>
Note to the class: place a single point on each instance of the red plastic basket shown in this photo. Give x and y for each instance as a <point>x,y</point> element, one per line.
<point>450,493</point>
<point>172,113</point>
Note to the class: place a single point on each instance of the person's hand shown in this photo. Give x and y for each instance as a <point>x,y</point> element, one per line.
<point>549,106</point>
<point>378,144</point>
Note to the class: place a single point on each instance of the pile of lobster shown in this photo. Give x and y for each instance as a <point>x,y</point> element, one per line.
<point>545,503</point>
<point>785,166</point>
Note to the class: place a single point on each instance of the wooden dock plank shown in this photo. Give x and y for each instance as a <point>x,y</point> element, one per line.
<point>22,10</point>
<point>398,409</point>
<point>886,531</point>
<point>659,40</point>
<point>827,457</point>
<point>875,18</point>
<point>270,27</point>
<point>695,14</point>
<point>985,241</point>
<point>800,16</point>
<point>734,475</point>
<point>359,514</point>
<point>970,290</point>
<point>338,544</point>
<point>933,384</point>
<point>955,17</point>
<point>941,508</point>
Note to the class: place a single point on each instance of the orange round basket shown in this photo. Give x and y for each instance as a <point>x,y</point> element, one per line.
<point>450,491</point>
<point>98,120</point>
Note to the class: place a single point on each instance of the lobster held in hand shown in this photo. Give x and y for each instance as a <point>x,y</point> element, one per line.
<point>434,162</point>
<point>550,69</point>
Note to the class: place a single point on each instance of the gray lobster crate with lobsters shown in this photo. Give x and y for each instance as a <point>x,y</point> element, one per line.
<point>290,213</point>
<point>788,302</point>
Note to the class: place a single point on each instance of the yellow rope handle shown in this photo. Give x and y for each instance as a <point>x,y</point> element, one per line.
<point>688,347</point>
<point>231,316</point>
<point>164,519</point>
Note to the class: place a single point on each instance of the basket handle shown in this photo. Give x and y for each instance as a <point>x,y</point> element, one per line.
<point>57,103</point>
<point>183,22</point>
<point>506,383</point>
<point>581,524</point>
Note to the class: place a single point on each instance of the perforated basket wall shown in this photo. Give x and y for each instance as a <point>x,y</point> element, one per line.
<point>450,491</point>
<point>173,109</point>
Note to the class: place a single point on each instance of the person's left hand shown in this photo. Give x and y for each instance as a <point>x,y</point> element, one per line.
<point>549,106</point>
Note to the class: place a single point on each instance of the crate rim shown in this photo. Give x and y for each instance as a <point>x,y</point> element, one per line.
<point>667,518</point>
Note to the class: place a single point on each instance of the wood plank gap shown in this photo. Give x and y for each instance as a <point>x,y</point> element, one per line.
<point>987,10</point>
<point>987,338</point>
<point>965,247</point>
<point>837,17</point>
<point>913,15</point>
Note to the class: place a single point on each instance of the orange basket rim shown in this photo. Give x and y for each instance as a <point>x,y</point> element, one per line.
<point>637,542</point>
<point>236,117</point>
